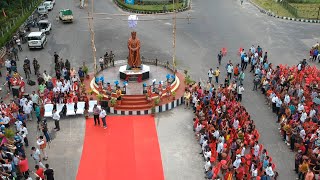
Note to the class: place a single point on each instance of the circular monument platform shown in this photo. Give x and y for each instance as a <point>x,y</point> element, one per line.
<point>135,87</point>
<point>135,99</point>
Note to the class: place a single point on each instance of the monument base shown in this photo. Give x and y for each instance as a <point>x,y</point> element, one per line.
<point>134,74</point>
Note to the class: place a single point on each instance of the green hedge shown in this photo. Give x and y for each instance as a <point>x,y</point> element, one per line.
<point>149,8</point>
<point>304,1</point>
<point>8,35</point>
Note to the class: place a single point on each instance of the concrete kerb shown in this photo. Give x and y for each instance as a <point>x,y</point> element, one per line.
<point>282,17</point>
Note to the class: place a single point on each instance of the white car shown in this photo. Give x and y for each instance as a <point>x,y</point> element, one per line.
<point>37,40</point>
<point>48,5</point>
<point>45,26</point>
<point>42,10</point>
<point>53,1</point>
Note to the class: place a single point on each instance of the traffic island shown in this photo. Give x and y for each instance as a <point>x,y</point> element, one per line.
<point>151,8</point>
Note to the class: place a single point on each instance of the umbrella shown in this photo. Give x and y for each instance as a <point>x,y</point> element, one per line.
<point>133,21</point>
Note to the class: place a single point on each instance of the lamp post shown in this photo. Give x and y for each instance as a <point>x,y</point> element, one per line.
<point>93,46</point>
<point>174,36</point>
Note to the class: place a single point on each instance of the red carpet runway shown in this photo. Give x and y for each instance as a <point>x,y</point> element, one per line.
<point>127,149</point>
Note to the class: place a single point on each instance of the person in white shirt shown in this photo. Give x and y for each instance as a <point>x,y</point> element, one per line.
<point>300,107</point>
<point>24,137</point>
<point>302,134</point>
<point>256,148</point>
<point>18,125</point>
<point>27,108</point>
<point>59,84</point>
<point>103,116</point>
<point>36,155</point>
<point>18,41</point>
<point>312,112</point>
<point>243,150</point>
<point>254,171</point>
<point>46,76</point>
<point>207,165</point>
<point>286,99</point>
<point>207,154</point>
<point>230,70</point>
<point>303,116</point>
<point>269,170</point>
<point>23,101</point>
<point>56,118</point>
<point>274,101</point>
<point>235,124</point>
<point>101,62</point>
<point>7,63</point>
<point>237,162</point>
<point>240,91</point>
<point>210,74</point>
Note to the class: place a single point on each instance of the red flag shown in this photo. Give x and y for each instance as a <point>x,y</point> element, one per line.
<point>4,13</point>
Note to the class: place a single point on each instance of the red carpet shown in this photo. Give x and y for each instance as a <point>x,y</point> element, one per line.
<point>127,149</point>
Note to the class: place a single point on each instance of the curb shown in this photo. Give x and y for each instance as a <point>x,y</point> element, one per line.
<point>147,12</point>
<point>283,17</point>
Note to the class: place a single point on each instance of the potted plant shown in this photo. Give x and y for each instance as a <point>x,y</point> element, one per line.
<point>113,101</point>
<point>8,136</point>
<point>174,95</point>
<point>85,70</point>
<point>153,110</point>
<point>157,101</point>
<point>100,97</point>
<point>90,92</point>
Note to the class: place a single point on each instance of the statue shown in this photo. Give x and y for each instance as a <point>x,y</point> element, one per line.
<point>134,60</point>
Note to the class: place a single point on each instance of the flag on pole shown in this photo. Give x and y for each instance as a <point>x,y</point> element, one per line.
<point>4,13</point>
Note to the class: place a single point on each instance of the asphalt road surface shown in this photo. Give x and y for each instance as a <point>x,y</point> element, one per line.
<point>215,24</point>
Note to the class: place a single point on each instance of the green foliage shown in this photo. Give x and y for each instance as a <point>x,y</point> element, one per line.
<point>13,9</point>
<point>149,6</point>
<point>153,110</point>
<point>187,78</point>
<point>9,133</point>
<point>173,94</point>
<point>157,101</point>
<point>113,101</point>
<point>100,97</point>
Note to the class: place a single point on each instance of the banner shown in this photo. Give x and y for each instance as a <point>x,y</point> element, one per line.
<point>130,2</point>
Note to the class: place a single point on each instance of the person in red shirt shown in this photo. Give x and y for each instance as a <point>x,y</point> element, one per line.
<point>23,165</point>
<point>39,172</point>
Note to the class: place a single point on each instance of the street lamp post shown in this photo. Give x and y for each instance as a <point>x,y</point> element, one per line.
<point>94,50</point>
<point>174,36</point>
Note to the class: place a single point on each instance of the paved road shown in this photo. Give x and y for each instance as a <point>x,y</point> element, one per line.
<point>217,24</point>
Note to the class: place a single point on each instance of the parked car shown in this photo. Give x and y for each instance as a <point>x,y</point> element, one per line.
<point>53,1</point>
<point>44,26</point>
<point>42,10</point>
<point>37,40</point>
<point>48,5</point>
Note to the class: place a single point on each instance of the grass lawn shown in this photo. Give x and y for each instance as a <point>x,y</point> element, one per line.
<point>305,10</point>
<point>273,7</point>
<point>155,7</point>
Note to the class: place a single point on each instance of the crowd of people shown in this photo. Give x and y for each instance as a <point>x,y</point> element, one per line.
<point>66,87</point>
<point>292,93</point>
<point>226,133</point>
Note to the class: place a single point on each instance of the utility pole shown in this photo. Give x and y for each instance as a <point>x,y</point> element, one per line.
<point>174,36</point>
<point>93,46</point>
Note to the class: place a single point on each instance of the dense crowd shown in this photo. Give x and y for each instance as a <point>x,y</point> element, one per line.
<point>226,133</point>
<point>292,93</point>
<point>15,116</point>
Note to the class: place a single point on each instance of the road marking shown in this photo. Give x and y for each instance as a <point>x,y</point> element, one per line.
<point>167,23</point>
